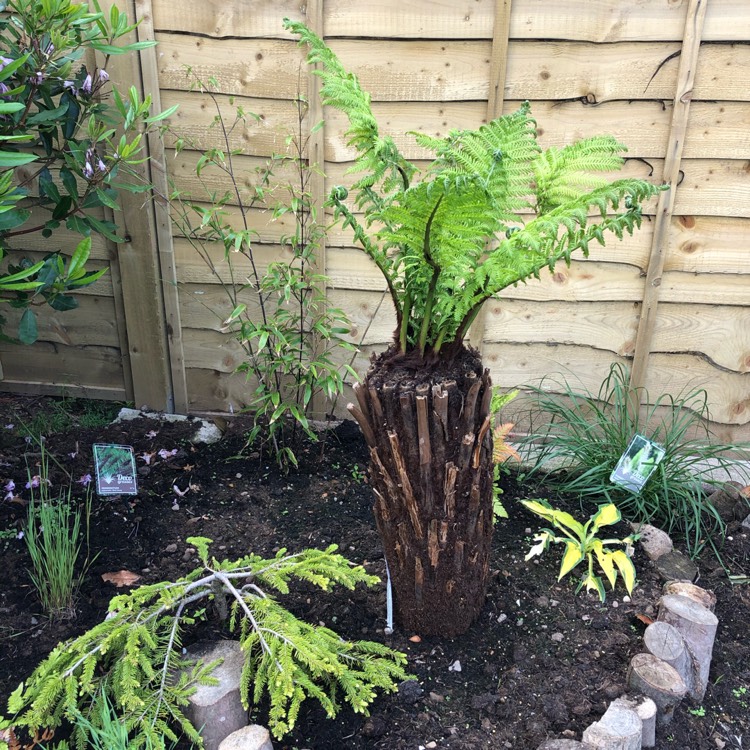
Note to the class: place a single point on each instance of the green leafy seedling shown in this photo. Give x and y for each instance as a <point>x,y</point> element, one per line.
<point>581,543</point>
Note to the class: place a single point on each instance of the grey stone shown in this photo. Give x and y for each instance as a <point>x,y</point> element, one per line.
<point>206,432</point>
<point>563,745</point>
<point>619,729</point>
<point>676,566</point>
<point>655,542</point>
<point>252,737</point>
<point>729,501</point>
<point>216,710</point>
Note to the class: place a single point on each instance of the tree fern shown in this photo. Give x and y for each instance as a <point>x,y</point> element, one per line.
<point>134,657</point>
<point>493,209</point>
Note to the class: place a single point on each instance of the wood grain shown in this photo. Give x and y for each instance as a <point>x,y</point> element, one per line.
<point>603,21</point>
<point>457,69</point>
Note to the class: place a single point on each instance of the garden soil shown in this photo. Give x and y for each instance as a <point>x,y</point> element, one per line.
<point>541,662</point>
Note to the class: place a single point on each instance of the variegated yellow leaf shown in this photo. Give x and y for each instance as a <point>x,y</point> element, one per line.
<point>605,516</point>
<point>605,562</point>
<point>573,555</point>
<point>626,568</point>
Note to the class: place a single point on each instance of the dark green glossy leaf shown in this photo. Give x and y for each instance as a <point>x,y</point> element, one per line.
<point>27,328</point>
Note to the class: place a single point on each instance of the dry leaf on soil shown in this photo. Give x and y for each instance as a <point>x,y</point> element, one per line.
<point>121,578</point>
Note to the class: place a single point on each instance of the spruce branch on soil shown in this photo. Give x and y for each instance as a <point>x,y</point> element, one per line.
<point>429,237</point>
<point>134,657</point>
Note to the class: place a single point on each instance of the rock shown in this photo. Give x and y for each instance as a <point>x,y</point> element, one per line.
<point>216,710</point>
<point>455,667</point>
<point>409,691</point>
<point>674,566</point>
<point>563,745</point>
<point>252,737</point>
<point>170,549</point>
<point>206,432</point>
<point>619,729</point>
<point>557,637</point>
<point>729,501</point>
<point>655,542</point>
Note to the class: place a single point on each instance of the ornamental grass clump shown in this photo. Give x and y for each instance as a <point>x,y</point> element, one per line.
<point>492,209</point>
<point>587,433</point>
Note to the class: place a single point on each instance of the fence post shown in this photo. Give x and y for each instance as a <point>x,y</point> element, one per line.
<point>691,42</point>
<point>138,257</point>
<point>495,101</point>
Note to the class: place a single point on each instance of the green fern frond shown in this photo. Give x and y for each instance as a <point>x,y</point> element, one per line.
<point>492,210</point>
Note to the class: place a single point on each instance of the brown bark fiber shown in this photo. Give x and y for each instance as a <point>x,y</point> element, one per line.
<point>427,429</point>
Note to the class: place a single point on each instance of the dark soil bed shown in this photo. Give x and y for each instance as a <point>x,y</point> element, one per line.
<point>541,662</point>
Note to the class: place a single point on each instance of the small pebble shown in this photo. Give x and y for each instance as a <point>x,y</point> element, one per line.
<point>455,667</point>
<point>557,637</point>
<point>170,549</point>
<point>502,617</point>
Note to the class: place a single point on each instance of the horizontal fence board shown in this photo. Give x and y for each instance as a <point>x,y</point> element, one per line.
<point>514,365</point>
<point>602,21</point>
<point>92,323</point>
<point>264,136</point>
<point>457,70</point>
<point>264,226</point>
<point>62,239</point>
<point>719,334</point>
<point>77,367</point>
<point>212,390</point>
<point>191,268</point>
<point>642,126</point>
<point>709,244</point>
<point>212,350</point>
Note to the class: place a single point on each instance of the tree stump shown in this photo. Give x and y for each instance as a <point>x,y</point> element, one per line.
<point>619,729</point>
<point>645,708</point>
<point>430,439</point>
<point>698,627</point>
<point>691,591</point>
<point>665,642</point>
<point>655,679</point>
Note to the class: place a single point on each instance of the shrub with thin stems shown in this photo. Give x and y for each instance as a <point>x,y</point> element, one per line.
<point>53,539</point>
<point>588,434</point>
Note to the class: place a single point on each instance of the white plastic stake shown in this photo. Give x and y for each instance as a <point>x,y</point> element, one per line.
<point>388,602</point>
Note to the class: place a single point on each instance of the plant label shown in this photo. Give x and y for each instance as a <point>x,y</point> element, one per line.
<point>637,464</point>
<point>115,469</point>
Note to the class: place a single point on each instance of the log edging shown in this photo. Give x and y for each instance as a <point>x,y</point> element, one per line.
<point>678,649</point>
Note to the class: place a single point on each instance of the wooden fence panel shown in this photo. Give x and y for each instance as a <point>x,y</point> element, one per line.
<point>599,66</point>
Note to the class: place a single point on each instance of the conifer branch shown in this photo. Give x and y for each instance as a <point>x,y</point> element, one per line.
<point>133,657</point>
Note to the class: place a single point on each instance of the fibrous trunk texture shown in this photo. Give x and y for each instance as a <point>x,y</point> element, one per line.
<point>428,430</point>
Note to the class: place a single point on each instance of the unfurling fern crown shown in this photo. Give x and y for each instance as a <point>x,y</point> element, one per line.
<point>493,209</point>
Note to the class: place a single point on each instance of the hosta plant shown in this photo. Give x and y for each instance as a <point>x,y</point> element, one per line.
<point>582,543</point>
<point>490,210</point>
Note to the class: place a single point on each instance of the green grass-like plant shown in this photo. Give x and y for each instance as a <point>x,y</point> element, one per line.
<point>134,657</point>
<point>53,538</point>
<point>588,433</point>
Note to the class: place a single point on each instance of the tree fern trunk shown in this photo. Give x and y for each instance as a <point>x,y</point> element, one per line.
<point>428,430</point>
